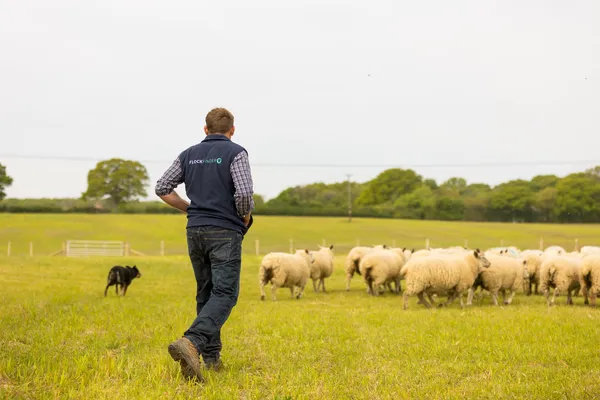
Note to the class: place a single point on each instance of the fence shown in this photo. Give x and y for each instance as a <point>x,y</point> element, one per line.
<point>86,248</point>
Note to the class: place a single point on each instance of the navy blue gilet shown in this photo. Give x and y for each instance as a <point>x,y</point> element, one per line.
<point>209,185</point>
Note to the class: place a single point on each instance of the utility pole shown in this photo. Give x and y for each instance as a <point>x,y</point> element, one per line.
<point>349,199</point>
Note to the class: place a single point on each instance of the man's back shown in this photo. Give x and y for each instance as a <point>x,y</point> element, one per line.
<point>209,182</point>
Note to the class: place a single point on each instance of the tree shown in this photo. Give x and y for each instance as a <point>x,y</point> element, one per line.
<point>450,208</point>
<point>512,201</point>
<point>119,180</point>
<point>476,197</point>
<point>542,182</point>
<point>259,201</point>
<point>389,186</point>
<point>544,202</point>
<point>578,198</point>
<point>419,204</point>
<point>594,173</point>
<point>5,181</point>
<point>454,186</point>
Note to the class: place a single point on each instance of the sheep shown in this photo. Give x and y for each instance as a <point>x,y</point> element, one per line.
<point>532,260</point>
<point>553,251</point>
<point>285,270</point>
<point>354,256</point>
<point>382,267</point>
<point>586,250</point>
<point>442,274</point>
<point>561,273</point>
<point>321,267</point>
<point>504,273</point>
<point>589,278</point>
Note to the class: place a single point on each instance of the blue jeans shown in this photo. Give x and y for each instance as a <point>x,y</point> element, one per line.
<point>216,256</point>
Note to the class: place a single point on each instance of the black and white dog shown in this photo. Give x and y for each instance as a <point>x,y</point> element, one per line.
<point>121,276</point>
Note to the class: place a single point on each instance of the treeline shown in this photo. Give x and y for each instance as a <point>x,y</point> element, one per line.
<point>399,193</point>
<point>395,193</point>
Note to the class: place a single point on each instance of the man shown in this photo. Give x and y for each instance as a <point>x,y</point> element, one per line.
<point>218,182</point>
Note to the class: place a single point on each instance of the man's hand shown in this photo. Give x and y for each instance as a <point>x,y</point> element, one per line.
<point>175,201</point>
<point>247,219</point>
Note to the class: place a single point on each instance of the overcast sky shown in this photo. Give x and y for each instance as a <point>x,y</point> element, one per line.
<point>376,83</point>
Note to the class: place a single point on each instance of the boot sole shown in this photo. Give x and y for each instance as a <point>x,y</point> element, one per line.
<point>187,369</point>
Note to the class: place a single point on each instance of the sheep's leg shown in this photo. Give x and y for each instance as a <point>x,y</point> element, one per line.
<point>390,288</point>
<point>292,291</point>
<point>316,289</point>
<point>494,297</point>
<point>504,296</point>
<point>323,285</point>
<point>398,286</point>
<point>451,299</point>
<point>405,300</point>
<point>301,291</point>
<point>262,290</point>
<point>348,279</point>
<point>431,300</point>
<point>554,296</point>
<point>593,298</point>
<point>510,297</point>
<point>421,298</point>
<point>274,288</point>
<point>569,298</point>
<point>537,286</point>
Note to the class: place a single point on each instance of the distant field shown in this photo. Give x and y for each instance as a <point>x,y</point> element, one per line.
<point>145,232</point>
<point>60,339</point>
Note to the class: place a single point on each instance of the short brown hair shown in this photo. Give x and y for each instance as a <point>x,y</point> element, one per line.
<point>219,120</point>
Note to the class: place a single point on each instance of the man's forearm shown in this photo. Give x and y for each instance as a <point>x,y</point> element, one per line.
<point>175,201</point>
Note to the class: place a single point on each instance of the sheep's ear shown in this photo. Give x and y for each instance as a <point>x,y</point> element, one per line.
<point>331,247</point>
<point>413,250</point>
<point>524,262</point>
<point>403,249</point>
<point>306,250</point>
<point>477,250</point>
<point>476,254</point>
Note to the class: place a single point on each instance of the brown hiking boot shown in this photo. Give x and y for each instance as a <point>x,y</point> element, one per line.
<point>185,352</point>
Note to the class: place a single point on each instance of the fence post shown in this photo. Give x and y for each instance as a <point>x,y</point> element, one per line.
<point>542,243</point>
<point>64,248</point>
<point>256,244</point>
<point>162,247</point>
<point>8,249</point>
<point>427,243</point>
<point>576,244</point>
<point>30,249</point>
<point>126,249</point>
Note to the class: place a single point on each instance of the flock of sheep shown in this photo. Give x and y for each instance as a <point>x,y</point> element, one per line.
<point>449,272</point>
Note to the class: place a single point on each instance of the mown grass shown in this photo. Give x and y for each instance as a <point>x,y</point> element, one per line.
<point>61,339</point>
<point>145,232</point>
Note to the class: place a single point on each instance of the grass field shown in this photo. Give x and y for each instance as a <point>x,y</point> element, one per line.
<point>60,338</point>
<point>145,232</point>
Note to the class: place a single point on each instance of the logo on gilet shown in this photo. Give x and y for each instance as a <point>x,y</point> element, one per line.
<point>207,161</point>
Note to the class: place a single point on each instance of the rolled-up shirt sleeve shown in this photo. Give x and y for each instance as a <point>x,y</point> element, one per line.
<point>242,181</point>
<point>172,178</point>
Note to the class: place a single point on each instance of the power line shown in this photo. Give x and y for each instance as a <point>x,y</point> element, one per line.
<point>293,165</point>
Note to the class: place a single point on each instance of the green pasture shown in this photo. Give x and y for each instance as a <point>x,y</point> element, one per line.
<point>144,233</point>
<point>61,339</point>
